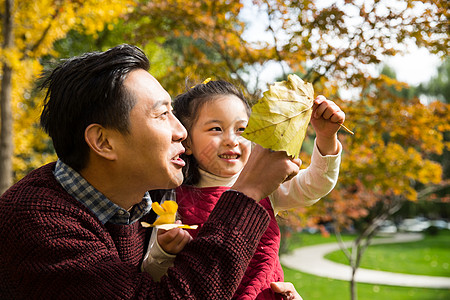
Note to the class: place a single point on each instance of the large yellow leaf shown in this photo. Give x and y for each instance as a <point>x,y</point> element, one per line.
<point>280,118</point>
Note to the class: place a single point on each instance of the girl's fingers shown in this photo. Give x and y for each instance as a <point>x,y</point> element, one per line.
<point>327,110</point>
<point>286,290</point>
<point>297,161</point>
<point>174,240</point>
<point>338,117</point>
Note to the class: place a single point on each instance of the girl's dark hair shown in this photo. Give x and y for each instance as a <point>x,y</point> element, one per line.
<point>88,89</point>
<point>186,107</point>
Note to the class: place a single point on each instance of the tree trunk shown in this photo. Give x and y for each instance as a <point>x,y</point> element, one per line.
<point>354,265</point>
<point>390,206</point>
<point>6,140</point>
<point>353,293</point>
<point>352,257</point>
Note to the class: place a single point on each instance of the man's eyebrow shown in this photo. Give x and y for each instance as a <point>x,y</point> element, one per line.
<point>160,103</point>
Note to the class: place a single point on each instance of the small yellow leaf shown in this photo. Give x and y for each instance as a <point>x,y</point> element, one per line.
<point>169,206</point>
<point>166,212</point>
<point>169,226</point>
<point>157,208</point>
<point>280,118</point>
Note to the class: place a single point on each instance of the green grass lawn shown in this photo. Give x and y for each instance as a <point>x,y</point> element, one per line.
<point>415,257</point>
<point>314,287</point>
<point>305,239</point>
<point>430,256</point>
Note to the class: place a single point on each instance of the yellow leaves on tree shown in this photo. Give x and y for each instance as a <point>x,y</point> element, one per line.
<point>204,37</point>
<point>400,137</point>
<point>389,169</point>
<point>280,118</point>
<point>37,25</point>
<point>40,23</point>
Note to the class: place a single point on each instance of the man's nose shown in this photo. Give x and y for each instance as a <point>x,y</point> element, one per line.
<point>179,132</point>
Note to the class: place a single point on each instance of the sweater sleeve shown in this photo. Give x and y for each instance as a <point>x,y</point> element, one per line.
<point>310,184</point>
<point>156,260</point>
<point>53,253</point>
<point>224,246</point>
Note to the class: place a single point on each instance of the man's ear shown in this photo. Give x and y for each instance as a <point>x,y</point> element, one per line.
<point>187,146</point>
<point>96,137</point>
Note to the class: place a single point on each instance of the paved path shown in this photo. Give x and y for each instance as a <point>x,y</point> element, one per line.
<point>311,260</point>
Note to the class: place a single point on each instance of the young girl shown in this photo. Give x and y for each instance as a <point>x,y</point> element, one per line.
<point>215,114</point>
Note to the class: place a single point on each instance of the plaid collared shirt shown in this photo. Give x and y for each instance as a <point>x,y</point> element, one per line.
<point>101,206</point>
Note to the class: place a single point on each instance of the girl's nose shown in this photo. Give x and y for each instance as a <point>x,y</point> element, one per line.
<point>231,139</point>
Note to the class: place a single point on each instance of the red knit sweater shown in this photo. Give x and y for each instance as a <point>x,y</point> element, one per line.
<point>195,205</point>
<point>53,247</point>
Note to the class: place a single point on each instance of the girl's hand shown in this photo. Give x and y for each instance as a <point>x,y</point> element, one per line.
<point>174,240</point>
<point>326,117</point>
<point>286,289</point>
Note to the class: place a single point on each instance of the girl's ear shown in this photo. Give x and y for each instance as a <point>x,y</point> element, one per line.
<point>96,136</point>
<point>187,145</point>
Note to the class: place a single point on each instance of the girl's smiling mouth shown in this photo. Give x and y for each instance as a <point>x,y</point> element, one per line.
<point>229,155</point>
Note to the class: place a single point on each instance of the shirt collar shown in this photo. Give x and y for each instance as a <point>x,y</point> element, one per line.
<point>208,179</point>
<point>102,207</point>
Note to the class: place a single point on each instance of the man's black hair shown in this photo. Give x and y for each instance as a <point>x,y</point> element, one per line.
<point>88,89</point>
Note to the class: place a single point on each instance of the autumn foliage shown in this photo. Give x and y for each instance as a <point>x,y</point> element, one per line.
<point>336,47</point>
<point>36,26</point>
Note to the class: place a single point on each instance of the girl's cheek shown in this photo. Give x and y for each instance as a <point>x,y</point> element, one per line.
<point>245,143</point>
<point>246,147</point>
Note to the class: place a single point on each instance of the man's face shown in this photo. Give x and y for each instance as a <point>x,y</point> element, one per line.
<point>149,156</point>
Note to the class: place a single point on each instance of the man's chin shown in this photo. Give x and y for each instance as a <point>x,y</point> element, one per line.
<point>176,181</point>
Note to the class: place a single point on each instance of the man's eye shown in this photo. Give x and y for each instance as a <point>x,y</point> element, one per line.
<point>164,114</point>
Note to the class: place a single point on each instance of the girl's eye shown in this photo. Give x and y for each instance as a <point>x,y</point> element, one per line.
<point>216,129</point>
<point>241,129</point>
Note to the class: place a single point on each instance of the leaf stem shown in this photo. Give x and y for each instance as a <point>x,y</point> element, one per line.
<point>346,129</point>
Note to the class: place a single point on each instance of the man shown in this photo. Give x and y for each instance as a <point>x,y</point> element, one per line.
<point>71,229</point>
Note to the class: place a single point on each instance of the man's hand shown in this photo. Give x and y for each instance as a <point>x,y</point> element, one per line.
<point>264,172</point>
<point>286,289</point>
<point>174,240</point>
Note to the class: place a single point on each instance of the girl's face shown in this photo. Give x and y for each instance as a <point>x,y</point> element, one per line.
<point>215,138</point>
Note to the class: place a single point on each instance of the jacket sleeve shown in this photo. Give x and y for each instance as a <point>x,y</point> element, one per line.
<point>310,184</point>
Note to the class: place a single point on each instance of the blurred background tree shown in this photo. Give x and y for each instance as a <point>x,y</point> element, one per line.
<point>439,85</point>
<point>392,157</point>
<point>29,31</point>
<point>401,141</point>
